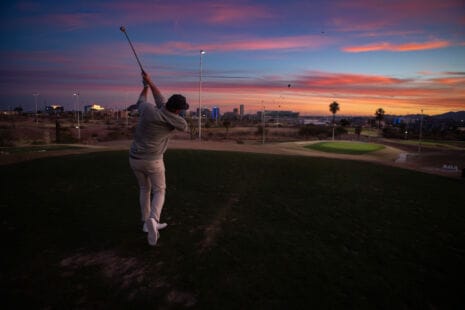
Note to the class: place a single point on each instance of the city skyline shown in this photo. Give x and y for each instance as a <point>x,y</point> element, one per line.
<point>402,56</point>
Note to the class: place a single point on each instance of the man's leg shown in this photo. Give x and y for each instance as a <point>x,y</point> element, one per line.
<point>144,187</point>
<point>158,183</point>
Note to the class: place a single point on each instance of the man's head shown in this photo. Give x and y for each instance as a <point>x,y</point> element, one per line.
<point>177,103</point>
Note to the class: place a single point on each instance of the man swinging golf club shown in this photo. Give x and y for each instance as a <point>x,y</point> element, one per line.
<point>157,122</point>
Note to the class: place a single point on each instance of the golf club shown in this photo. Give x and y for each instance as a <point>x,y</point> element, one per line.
<point>123,29</point>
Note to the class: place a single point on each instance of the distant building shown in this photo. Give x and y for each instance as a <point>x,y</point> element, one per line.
<point>205,113</point>
<point>282,114</point>
<point>9,112</point>
<point>93,108</point>
<point>276,117</point>
<point>215,113</point>
<point>314,121</point>
<point>241,108</point>
<point>54,109</point>
<point>231,116</point>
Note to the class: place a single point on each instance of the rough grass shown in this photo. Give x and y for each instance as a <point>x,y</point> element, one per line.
<point>341,147</point>
<point>245,231</point>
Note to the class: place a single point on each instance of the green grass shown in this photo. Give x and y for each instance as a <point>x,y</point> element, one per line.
<point>245,231</point>
<point>352,148</point>
<point>38,148</point>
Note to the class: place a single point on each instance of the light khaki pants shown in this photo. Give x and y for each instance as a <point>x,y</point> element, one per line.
<point>150,175</point>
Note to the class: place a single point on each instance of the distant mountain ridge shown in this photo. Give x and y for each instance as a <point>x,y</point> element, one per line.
<point>456,116</point>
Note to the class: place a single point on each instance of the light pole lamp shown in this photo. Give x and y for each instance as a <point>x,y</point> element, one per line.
<point>202,52</point>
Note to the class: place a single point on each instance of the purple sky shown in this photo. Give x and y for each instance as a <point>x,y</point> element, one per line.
<point>402,56</point>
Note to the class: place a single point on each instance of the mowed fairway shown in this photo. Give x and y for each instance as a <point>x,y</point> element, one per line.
<point>245,231</point>
<point>345,147</point>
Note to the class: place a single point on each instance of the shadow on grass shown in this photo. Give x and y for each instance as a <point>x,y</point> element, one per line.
<point>245,231</point>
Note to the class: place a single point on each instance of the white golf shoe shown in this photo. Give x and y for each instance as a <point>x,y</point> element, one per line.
<point>153,234</point>
<point>160,226</point>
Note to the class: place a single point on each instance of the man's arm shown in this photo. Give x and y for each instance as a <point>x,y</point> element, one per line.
<point>157,96</point>
<point>143,95</point>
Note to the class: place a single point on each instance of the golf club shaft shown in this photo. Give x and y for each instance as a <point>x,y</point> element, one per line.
<point>133,50</point>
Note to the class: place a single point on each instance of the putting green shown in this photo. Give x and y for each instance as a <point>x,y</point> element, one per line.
<point>353,148</point>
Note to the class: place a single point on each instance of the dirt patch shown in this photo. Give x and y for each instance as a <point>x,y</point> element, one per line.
<point>181,298</point>
<point>212,231</point>
<point>124,272</point>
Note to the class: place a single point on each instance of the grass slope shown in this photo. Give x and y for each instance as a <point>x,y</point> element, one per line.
<point>245,231</point>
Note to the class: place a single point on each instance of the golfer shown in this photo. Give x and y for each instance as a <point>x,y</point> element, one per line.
<point>157,122</point>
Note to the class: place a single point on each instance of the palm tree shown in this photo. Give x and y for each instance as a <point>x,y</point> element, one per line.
<point>334,107</point>
<point>379,116</point>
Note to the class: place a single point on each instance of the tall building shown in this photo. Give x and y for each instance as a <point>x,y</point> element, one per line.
<point>215,113</point>
<point>241,107</point>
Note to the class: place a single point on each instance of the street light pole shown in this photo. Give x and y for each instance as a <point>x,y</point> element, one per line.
<point>263,125</point>
<point>78,127</point>
<point>35,101</point>
<point>202,52</point>
<point>421,132</point>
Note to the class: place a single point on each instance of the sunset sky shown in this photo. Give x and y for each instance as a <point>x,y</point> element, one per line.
<point>401,55</point>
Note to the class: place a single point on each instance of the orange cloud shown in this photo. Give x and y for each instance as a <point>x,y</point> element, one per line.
<point>451,81</point>
<point>386,46</point>
<point>358,94</point>
<point>321,79</point>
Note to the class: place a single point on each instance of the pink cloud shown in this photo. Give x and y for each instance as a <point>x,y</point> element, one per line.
<point>222,13</point>
<point>403,47</point>
<point>368,15</point>
<point>144,12</point>
<point>241,44</point>
<point>198,12</point>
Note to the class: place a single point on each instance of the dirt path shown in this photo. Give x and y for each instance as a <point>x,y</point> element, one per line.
<point>429,162</point>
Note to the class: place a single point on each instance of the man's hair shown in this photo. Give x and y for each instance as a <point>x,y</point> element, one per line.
<point>177,102</point>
